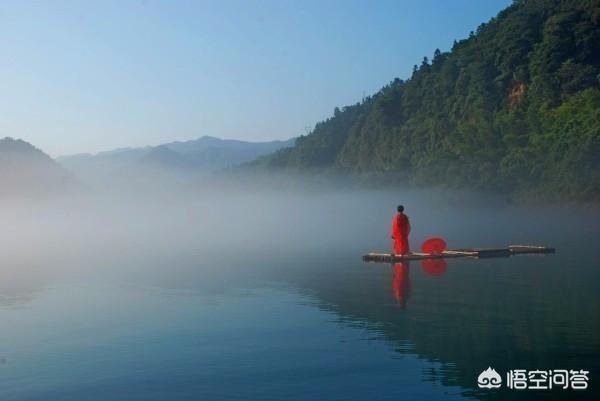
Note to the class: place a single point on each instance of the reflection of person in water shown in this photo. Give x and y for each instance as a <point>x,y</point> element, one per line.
<point>401,283</point>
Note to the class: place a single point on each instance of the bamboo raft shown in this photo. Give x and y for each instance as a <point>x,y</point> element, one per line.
<point>459,253</point>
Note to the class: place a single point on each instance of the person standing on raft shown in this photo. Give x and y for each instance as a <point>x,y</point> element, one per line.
<point>400,231</point>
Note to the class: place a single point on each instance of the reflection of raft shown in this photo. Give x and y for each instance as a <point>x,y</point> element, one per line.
<point>460,253</point>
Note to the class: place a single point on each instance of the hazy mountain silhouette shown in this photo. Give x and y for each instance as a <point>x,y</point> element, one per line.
<point>163,156</point>
<point>203,155</point>
<point>27,171</point>
<point>214,153</point>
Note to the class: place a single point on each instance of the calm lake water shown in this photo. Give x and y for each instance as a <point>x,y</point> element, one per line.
<point>265,297</point>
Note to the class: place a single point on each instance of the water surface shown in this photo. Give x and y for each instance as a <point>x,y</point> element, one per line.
<point>264,296</point>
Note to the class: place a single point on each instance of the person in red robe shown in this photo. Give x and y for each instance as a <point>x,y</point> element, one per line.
<point>400,231</point>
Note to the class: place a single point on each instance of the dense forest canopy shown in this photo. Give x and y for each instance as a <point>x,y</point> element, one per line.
<point>513,108</point>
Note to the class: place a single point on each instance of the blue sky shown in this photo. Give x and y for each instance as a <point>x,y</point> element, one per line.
<point>85,76</point>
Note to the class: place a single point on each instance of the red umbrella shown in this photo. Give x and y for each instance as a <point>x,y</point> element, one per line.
<point>434,245</point>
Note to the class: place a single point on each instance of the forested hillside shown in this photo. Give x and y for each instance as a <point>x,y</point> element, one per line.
<point>513,108</point>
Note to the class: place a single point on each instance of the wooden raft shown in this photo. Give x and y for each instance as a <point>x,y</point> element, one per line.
<point>459,253</point>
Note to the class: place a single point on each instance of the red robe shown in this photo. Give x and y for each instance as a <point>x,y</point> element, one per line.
<point>400,231</point>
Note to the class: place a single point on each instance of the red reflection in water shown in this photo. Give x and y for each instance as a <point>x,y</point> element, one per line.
<point>434,267</point>
<point>401,283</point>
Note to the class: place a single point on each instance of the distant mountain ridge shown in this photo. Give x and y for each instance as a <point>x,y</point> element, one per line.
<point>164,156</point>
<point>27,171</point>
<point>203,155</point>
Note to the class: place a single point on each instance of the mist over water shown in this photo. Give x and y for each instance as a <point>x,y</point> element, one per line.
<point>224,293</point>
